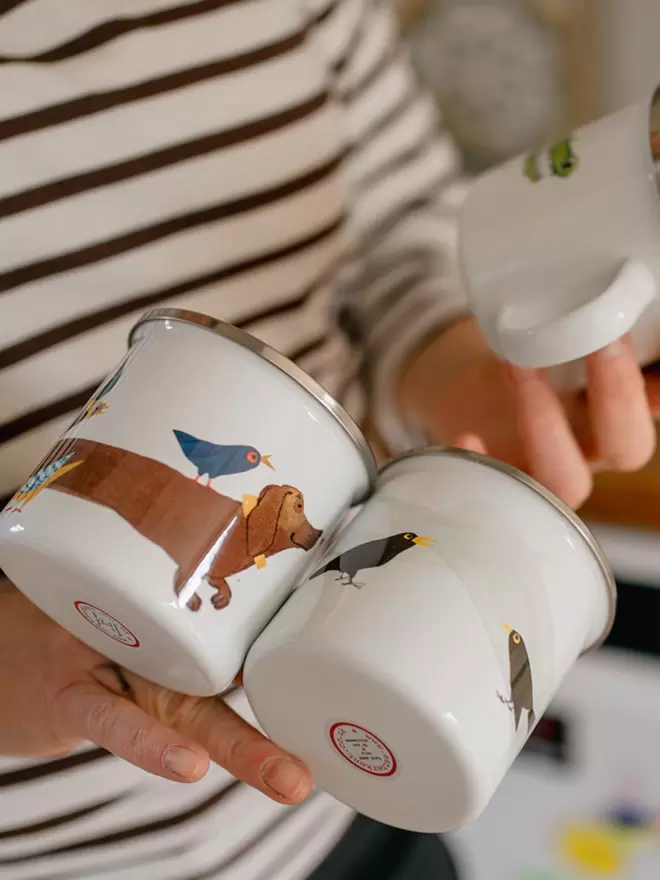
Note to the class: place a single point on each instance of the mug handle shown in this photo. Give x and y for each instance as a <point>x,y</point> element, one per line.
<point>580,332</point>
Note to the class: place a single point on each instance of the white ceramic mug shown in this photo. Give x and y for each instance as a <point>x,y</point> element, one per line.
<point>171,520</point>
<point>561,248</point>
<point>412,663</point>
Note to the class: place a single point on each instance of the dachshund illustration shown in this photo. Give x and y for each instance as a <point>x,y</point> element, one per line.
<point>195,525</point>
<point>275,523</point>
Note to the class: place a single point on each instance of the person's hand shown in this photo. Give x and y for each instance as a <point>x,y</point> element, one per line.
<point>460,394</point>
<point>56,693</point>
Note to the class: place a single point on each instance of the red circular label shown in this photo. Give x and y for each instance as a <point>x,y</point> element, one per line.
<point>107,624</point>
<point>363,749</point>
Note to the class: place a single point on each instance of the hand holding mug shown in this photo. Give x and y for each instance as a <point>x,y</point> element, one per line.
<point>560,249</point>
<point>61,693</point>
<point>459,392</point>
<point>174,574</point>
<point>560,253</point>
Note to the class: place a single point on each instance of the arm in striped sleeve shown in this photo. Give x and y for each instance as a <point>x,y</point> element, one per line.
<point>403,285</point>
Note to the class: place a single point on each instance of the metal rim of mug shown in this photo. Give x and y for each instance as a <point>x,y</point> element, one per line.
<point>654,135</point>
<point>569,514</point>
<point>246,340</point>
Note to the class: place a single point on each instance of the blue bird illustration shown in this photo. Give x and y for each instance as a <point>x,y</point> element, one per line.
<point>41,480</point>
<point>213,460</point>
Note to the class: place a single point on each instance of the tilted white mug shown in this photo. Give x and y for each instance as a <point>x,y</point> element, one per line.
<point>412,663</point>
<point>158,530</point>
<point>561,248</point>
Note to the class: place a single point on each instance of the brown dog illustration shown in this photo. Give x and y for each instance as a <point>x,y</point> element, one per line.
<point>277,522</point>
<point>193,524</point>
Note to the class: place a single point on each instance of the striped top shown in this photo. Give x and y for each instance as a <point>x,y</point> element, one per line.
<point>270,162</point>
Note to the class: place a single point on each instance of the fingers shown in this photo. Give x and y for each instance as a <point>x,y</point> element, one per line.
<point>616,428</point>
<point>173,735</point>
<point>620,416</point>
<point>113,722</point>
<point>552,453</point>
<point>229,740</point>
<point>471,443</point>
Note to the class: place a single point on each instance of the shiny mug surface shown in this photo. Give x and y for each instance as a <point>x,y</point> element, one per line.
<point>172,518</point>
<point>411,665</point>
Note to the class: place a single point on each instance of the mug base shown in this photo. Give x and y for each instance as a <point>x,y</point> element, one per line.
<point>367,741</point>
<point>107,620</point>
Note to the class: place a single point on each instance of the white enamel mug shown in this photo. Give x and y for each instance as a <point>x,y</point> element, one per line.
<point>412,663</point>
<point>170,521</point>
<point>560,248</point>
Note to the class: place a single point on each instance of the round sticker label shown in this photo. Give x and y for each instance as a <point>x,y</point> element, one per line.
<point>363,749</point>
<point>107,624</point>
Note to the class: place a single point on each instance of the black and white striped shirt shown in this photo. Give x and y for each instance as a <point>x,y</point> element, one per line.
<point>271,162</point>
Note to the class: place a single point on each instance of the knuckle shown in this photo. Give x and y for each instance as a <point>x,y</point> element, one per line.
<point>230,753</point>
<point>101,721</point>
<point>170,708</point>
<point>241,756</point>
<point>138,745</point>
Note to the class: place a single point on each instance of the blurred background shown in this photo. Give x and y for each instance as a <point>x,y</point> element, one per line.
<point>583,801</point>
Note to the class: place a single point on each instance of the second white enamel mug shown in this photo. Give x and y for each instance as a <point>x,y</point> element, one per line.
<point>411,665</point>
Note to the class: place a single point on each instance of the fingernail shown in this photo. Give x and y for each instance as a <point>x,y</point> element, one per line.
<point>181,761</point>
<point>284,777</point>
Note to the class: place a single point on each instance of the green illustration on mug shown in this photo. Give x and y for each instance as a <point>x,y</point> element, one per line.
<point>561,161</point>
<point>372,554</point>
<point>520,680</point>
<point>209,536</point>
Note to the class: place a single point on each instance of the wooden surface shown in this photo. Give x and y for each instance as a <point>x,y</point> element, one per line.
<point>631,500</point>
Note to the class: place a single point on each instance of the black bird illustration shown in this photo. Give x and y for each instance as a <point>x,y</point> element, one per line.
<point>522,690</point>
<point>371,555</point>
<point>214,460</point>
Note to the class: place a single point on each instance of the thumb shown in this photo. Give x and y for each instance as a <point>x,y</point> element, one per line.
<point>112,721</point>
<point>227,737</point>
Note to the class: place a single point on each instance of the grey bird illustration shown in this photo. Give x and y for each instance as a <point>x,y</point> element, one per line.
<point>522,690</point>
<point>372,554</point>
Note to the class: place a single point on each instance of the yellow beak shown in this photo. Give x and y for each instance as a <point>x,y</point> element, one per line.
<point>508,628</point>
<point>423,542</point>
<point>266,460</point>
